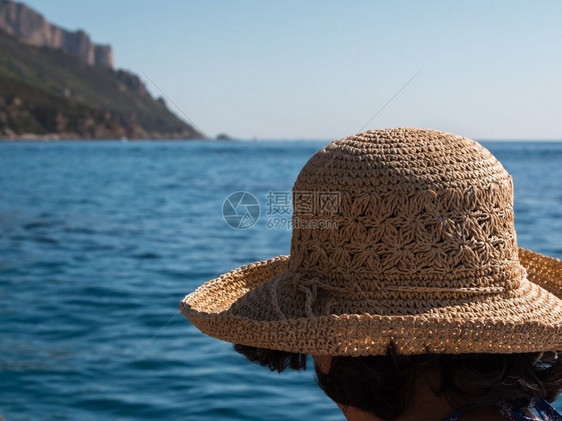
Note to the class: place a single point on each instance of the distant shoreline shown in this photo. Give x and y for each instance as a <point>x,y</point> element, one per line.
<point>69,138</point>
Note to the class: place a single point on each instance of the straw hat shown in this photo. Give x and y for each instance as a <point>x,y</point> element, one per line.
<point>402,236</point>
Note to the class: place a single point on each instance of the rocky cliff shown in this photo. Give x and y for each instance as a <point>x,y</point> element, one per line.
<point>57,84</point>
<point>29,27</point>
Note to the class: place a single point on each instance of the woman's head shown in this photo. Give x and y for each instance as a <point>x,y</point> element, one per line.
<point>404,249</point>
<point>385,385</point>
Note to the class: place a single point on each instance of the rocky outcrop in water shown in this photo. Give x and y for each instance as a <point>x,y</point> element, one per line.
<point>30,27</point>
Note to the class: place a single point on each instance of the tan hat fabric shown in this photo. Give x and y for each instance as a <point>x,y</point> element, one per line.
<point>400,236</point>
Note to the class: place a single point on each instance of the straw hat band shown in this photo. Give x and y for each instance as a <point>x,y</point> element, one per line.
<point>409,296</point>
<point>378,289</point>
<point>316,298</point>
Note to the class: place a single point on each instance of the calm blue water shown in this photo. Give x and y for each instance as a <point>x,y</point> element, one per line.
<point>99,241</point>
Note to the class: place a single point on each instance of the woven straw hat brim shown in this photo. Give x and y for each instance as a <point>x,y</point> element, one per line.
<point>258,305</point>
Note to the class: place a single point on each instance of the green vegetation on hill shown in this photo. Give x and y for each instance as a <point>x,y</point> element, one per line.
<point>44,91</point>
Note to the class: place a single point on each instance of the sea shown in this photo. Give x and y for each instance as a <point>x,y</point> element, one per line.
<point>99,242</point>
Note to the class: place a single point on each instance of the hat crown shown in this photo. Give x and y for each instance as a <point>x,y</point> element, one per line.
<point>410,208</point>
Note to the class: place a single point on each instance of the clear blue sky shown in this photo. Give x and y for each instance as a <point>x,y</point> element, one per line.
<point>322,69</point>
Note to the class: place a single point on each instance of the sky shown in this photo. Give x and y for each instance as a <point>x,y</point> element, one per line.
<point>324,69</point>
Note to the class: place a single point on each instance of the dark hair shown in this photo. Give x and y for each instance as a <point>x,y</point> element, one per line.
<point>383,385</point>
